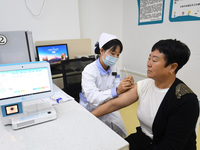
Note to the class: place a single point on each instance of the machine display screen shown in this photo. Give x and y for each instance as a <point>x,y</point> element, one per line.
<point>54,54</point>
<point>25,81</point>
<point>18,83</point>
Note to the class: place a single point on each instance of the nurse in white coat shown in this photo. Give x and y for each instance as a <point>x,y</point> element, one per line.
<point>101,81</point>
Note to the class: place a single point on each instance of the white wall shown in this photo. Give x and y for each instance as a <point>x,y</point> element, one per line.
<point>59,19</point>
<point>97,16</point>
<point>138,41</point>
<point>70,19</point>
<point>121,18</point>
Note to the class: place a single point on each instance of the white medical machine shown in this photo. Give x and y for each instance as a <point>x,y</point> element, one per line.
<point>22,85</point>
<point>16,47</point>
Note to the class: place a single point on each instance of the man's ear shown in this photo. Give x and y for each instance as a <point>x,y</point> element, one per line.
<point>173,67</point>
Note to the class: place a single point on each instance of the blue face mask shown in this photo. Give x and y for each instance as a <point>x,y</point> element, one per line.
<point>110,60</point>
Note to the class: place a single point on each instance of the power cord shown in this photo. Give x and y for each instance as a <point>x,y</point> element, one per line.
<point>32,12</point>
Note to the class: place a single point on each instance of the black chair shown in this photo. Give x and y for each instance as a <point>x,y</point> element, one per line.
<point>72,73</point>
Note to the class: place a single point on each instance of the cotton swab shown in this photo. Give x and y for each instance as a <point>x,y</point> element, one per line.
<point>127,74</point>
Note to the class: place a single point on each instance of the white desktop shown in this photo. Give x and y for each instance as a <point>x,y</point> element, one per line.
<point>74,127</point>
<point>21,85</point>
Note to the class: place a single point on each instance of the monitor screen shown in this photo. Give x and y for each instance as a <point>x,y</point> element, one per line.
<point>25,81</point>
<point>54,54</point>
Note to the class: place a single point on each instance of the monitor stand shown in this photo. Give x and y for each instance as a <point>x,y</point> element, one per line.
<point>34,112</point>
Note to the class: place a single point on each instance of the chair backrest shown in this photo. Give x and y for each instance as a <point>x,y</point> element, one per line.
<point>72,71</point>
<point>198,122</point>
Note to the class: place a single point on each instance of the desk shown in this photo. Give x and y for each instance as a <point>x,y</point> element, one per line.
<point>74,129</point>
<point>57,75</point>
<point>56,69</point>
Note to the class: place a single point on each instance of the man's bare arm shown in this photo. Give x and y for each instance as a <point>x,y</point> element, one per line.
<point>121,101</point>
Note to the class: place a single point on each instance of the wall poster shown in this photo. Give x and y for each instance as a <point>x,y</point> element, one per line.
<point>150,11</point>
<point>184,10</point>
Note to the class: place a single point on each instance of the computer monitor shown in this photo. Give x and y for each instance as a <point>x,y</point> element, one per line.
<point>24,82</point>
<point>54,54</point>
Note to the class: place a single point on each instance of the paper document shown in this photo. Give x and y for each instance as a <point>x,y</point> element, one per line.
<point>59,94</point>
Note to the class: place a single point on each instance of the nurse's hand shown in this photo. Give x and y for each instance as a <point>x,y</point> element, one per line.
<point>125,84</point>
<point>130,77</point>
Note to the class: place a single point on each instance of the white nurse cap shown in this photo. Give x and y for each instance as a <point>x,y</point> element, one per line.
<point>104,38</point>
